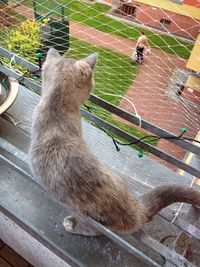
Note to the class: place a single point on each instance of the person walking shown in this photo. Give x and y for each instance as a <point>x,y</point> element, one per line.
<point>141,44</point>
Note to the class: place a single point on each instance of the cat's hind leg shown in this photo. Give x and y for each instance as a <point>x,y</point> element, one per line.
<point>77,226</point>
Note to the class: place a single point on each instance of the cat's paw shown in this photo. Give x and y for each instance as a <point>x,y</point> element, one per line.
<point>70,223</point>
<point>74,225</point>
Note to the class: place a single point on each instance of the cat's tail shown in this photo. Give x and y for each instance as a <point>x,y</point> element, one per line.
<point>165,195</point>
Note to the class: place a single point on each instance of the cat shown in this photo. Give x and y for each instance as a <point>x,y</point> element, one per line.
<point>63,164</point>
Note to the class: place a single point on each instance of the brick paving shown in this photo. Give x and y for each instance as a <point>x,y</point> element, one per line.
<point>7,16</point>
<point>9,258</point>
<point>147,90</point>
<point>23,10</point>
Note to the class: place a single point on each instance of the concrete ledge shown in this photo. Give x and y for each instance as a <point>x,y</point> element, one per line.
<point>27,246</point>
<point>41,217</point>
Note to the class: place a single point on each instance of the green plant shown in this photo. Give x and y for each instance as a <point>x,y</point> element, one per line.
<point>25,40</point>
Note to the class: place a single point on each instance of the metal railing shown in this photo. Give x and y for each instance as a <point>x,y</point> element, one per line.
<point>119,112</point>
<point>171,256</point>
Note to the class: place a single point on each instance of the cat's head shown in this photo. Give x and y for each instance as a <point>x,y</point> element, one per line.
<point>69,79</point>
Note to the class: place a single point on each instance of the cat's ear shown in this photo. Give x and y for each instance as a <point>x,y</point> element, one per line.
<point>91,60</point>
<point>52,53</point>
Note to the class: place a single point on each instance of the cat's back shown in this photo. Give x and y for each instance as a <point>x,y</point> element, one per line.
<point>54,137</point>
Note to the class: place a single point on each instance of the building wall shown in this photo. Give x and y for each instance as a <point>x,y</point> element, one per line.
<point>180,25</point>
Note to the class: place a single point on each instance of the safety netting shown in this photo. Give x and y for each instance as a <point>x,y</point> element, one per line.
<point>164,89</point>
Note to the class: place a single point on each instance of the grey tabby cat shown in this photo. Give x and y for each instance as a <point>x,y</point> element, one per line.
<point>64,165</point>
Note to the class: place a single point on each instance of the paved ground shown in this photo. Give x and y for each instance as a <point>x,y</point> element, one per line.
<point>7,16</point>
<point>147,90</point>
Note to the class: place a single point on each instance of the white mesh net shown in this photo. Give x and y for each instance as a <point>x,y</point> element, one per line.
<point>162,90</point>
